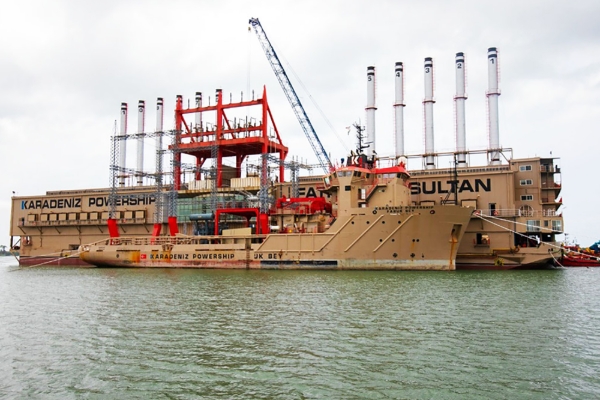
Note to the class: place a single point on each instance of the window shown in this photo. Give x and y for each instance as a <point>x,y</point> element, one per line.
<point>526,182</point>
<point>557,225</point>
<point>533,225</point>
<point>526,197</point>
<point>482,239</point>
<point>525,168</point>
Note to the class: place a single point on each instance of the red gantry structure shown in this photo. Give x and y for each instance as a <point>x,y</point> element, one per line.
<point>225,138</point>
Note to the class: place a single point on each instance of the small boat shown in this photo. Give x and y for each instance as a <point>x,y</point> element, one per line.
<point>575,256</point>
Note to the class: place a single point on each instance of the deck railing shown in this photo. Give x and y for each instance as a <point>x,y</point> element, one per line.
<point>509,213</point>
<point>173,240</point>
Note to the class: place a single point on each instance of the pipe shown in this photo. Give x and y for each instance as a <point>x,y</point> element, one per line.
<point>371,111</point>
<point>123,144</point>
<point>140,141</point>
<point>492,95</point>
<point>428,111</point>
<point>198,114</point>
<point>459,99</point>
<point>399,109</point>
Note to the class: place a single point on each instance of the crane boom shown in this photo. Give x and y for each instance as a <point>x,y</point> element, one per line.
<point>291,95</point>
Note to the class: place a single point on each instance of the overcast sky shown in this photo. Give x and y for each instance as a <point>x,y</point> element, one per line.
<point>66,66</point>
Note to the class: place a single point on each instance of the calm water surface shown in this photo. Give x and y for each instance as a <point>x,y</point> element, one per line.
<point>68,333</point>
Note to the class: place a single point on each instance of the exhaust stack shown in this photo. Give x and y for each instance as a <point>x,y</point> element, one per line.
<point>159,136</point>
<point>198,114</point>
<point>492,95</point>
<point>428,110</point>
<point>459,99</point>
<point>159,205</point>
<point>399,110</point>
<point>122,144</point>
<point>159,114</point>
<point>371,111</point>
<point>140,141</point>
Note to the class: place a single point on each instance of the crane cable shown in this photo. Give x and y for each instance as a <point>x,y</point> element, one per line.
<point>313,101</point>
<point>342,142</point>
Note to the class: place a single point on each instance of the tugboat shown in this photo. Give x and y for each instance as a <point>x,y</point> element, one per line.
<point>368,224</point>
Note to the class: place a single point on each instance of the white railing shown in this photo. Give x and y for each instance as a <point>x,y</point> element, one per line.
<point>173,240</point>
<point>518,213</point>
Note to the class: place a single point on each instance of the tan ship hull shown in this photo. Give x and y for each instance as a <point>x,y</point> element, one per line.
<point>418,238</point>
<point>53,261</point>
<point>523,259</point>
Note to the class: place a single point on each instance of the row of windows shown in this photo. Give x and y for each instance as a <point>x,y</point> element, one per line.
<point>533,225</point>
<point>85,216</point>
<point>543,168</point>
<point>358,174</point>
<point>465,171</point>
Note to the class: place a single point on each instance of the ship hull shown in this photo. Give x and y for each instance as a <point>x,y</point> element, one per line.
<point>49,261</point>
<point>579,262</point>
<point>419,238</point>
<point>495,267</point>
<point>528,259</point>
<point>377,265</point>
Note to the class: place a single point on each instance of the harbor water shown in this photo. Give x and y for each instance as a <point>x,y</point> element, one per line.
<point>90,333</point>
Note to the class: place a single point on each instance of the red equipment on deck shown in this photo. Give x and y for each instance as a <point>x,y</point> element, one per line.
<point>237,141</point>
<point>304,205</point>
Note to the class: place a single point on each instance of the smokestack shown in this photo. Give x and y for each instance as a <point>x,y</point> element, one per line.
<point>198,115</point>
<point>399,109</point>
<point>140,141</point>
<point>492,95</point>
<point>428,106</point>
<point>159,205</point>
<point>371,110</point>
<point>159,114</point>
<point>123,144</point>
<point>159,136</point>
<point>459,99</point>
